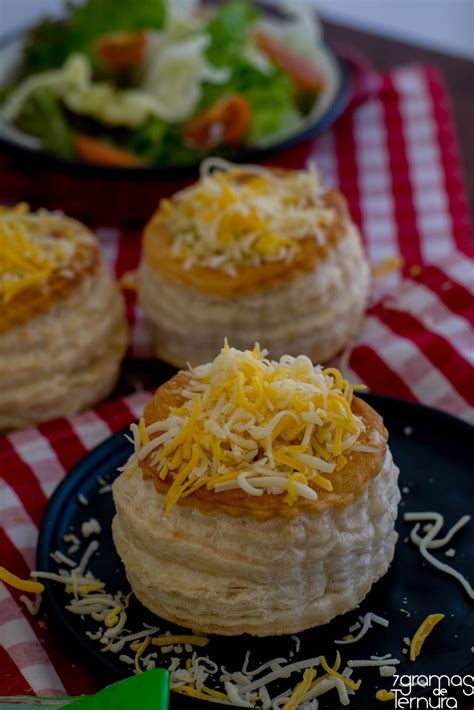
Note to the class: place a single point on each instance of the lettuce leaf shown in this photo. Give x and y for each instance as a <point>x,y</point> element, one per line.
<point>42,116</point>
<point>50,43</point>
<point>272,98</point>
<point>271,94</point>
<point>228,30</point>
<point>163,144</point>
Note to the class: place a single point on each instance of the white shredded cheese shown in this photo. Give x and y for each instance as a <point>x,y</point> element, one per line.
<point>90,527</point>
<point>430,541</point>
<point>60,558</point>
<point>366,622</point>
<point>387,671</point>
<point>368,662</point>
<point>33,605</point>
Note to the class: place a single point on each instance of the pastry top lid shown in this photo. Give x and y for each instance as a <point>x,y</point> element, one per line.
<point>43,255</point>
<point>245,215</point>
<point>270,434</point>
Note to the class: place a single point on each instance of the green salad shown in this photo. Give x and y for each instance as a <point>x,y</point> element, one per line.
<point>163,82</point>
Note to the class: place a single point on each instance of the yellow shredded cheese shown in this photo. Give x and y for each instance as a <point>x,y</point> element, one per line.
<point>245,215</point>
<point>83,588</point>
<point>128,281</point>
<point>24,585</point>
<point>181,639</point>
<point>333,672</point>
<point>301,689</point>
<point>274,427</point>
<point>203,694</point>
<point>29,252</point>
<point>384,695</point>
<point>144,438</point>
<point>422,633</point>
<point>139,647</point>
<point>112,617</point>
<point>387,266</point>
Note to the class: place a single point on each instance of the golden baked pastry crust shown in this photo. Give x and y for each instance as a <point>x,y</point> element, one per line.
<point>65,278</point>
<point>248,278</point>
<point>348,483</point>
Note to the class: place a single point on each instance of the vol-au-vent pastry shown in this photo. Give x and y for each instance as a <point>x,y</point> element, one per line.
<point>63,331</point>
<point>261,254</point>
<point>260,498</point>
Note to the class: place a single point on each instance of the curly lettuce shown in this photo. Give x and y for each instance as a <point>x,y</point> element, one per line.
<point>170,93</point>
<point>42,116</point>
<point>269,91</point>
<point>50,43</point>
<point>228,29</point>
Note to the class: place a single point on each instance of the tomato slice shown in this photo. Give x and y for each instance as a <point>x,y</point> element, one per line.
<point>226,121</point>
<point>122,49</point>
<point>92,150</point>
<point>304,73</point>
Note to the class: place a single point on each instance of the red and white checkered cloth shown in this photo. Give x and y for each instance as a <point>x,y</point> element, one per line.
<point>394,157</point>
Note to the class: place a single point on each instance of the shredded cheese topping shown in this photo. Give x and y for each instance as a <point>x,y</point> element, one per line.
<point>31,248</point>
<point>246,422</point>
<point>245,215</point>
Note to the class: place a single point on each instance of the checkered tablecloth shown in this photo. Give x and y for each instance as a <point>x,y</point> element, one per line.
<point>394,157</point>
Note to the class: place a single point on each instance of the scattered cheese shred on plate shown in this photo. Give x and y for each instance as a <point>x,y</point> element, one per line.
<point>366,622</point>
<point>301,689</point>
<point>331,671</point>
<point>384,695</point>
<point>181,639</point>
<point>430,541</point>
<point>422,633</point>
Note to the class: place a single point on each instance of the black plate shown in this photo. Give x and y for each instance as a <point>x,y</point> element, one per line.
<point>435,459</point>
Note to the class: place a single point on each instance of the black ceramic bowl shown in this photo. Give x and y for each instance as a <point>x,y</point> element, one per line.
<point>127,196</point>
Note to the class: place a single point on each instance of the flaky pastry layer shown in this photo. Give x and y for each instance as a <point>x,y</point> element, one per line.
<point>226,574</point>
<point>315,312</point>
<point>66,359</point>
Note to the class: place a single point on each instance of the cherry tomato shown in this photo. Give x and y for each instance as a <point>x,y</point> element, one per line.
<point>226,121</point>
<point>122,49</point>
<point>303,72</point>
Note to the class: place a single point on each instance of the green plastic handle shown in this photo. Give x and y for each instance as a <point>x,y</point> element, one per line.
<point>150,690</point>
